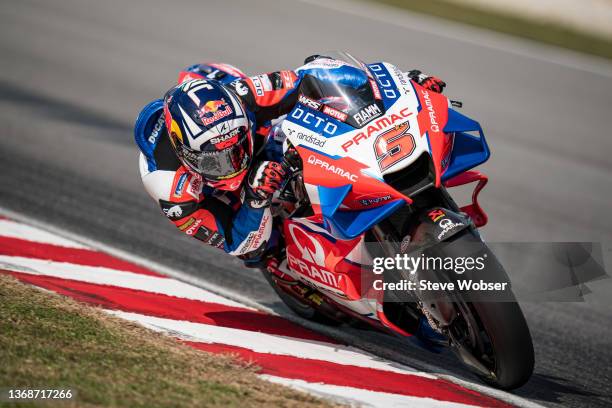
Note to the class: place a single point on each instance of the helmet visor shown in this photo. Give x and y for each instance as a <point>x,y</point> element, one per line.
<point>223,164</point>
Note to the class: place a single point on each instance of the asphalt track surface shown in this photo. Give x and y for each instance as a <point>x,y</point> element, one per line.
<point>74,74</point>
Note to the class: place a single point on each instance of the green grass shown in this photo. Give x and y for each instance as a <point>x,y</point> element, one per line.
<point>49,341</point>
<point>547,33</point>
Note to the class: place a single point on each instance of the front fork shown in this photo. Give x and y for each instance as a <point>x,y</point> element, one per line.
<point>439,311</point>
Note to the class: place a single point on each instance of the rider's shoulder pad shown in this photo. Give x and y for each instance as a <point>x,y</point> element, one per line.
<point>157,183</point>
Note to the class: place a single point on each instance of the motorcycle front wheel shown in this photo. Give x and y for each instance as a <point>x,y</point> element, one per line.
<point>494,340</point>
<point>492,337</point>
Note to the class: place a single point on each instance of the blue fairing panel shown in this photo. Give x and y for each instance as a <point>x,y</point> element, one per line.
<point>469,150</point>
<point>385,81</point>
<point>351,224</point>
<point>317,122</point>
<point>331,198</point>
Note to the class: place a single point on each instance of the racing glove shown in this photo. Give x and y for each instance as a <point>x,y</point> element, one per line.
<point>432,83</point>
<point>264,179</point>
<point>291,157</point>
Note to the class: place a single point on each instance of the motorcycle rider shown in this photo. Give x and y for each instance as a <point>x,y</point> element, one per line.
<point>208,156</point>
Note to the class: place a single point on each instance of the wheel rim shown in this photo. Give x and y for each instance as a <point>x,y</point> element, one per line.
<point>467,332</point>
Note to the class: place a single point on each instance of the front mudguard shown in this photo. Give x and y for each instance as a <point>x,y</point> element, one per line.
<point>434,226</point>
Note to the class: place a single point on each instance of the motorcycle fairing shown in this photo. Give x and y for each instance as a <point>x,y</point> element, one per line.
<point>347,188</point>
<point>387,84</point>
<point>327,199</point>
<point>342,171</point>
<point>469,150</point>
<point>316,257</point>
<point>312,121</point>
<point>351,224</point>
<point>433,114</point>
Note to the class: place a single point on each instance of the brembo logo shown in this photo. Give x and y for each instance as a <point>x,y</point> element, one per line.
<point>312,262</point>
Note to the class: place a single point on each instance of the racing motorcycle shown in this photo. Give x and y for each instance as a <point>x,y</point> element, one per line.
<point>373,162</point>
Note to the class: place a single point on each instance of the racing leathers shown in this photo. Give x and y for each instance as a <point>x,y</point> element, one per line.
<point>228,219</point>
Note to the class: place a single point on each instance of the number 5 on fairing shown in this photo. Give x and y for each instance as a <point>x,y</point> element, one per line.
<point>393,146</point>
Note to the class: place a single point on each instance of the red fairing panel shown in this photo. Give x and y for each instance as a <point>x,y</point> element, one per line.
<point>321,260</point>
<point>432,119</point>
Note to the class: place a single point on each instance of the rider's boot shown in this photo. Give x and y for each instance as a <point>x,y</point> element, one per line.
<point>430,338</point>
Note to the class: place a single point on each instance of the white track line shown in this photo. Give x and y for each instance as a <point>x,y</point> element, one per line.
<point>268,343</point>
<point>105,276</point>
<point>18,230</point>
<point>360,397</point>
<point>146,263</point>
<point>241,299</point>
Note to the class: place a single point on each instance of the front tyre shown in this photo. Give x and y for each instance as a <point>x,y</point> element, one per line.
<point>501,342</point>
<point>493,338</point>
<point>487,329</point>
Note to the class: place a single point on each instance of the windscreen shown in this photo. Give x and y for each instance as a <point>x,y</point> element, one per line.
<point>340,86</point>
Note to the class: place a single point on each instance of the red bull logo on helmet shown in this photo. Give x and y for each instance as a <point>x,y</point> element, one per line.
<point>214,110</point>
